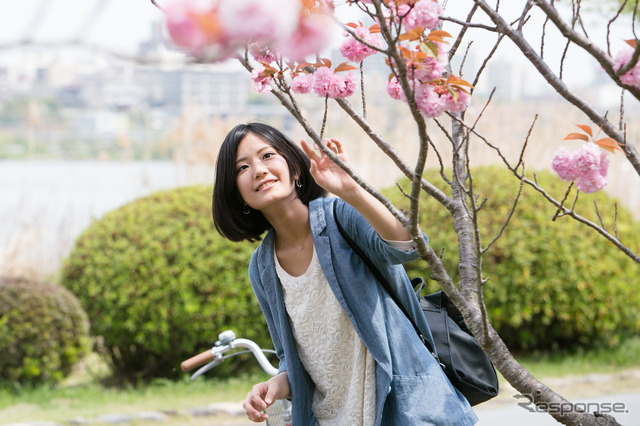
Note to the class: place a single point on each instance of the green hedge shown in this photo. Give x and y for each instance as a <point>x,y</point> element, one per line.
<point>159,284</point>
<point>552,284</point>
<point>43,331</point>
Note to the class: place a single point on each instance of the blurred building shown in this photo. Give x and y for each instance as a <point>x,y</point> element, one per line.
<point>213,89</point>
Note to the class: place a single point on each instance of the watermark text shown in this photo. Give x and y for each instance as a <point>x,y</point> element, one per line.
<point>567,407</point>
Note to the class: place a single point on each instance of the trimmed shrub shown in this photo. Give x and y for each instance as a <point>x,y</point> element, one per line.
<point>43,331</point>
<point>552,284</point>
<point>159,283</point>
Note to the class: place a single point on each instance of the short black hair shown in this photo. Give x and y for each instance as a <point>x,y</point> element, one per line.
<point>227,205</point>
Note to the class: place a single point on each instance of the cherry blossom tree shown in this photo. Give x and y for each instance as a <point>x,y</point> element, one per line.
<point>280,43</point>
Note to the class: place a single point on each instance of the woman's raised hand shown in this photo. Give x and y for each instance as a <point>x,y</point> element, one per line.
<point>328,174</point>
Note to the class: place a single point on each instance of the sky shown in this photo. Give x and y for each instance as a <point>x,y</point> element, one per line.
<point>118,24</point>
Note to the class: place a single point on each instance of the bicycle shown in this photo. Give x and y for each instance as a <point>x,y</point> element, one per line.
<point>280,412</point>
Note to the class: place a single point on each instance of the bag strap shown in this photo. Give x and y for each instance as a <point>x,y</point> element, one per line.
<point>381,280</point>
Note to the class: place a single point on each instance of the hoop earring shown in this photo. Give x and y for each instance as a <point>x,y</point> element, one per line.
<point>246,210</point>
<point>298,184</point>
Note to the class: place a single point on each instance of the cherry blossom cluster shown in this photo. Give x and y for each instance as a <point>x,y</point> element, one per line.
<point>425,60</point>
<point>356,51</point>
<point>281,34</point>
<point>631,77</point>
<point>414,13</point>
<point>587,167</point>
<point>325,82</point>
<point>216,29</point>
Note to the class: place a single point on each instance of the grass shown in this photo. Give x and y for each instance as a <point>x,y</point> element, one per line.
<point>82,395</point>
<point>581,362</point>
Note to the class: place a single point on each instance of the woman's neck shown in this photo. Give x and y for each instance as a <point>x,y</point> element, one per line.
<point>290,222</point>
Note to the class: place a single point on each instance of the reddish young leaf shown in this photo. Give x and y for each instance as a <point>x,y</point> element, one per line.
<point>576,136</point>
<point>457,81</point>
<point>326,62</point>
<point>438,36</point>
<point>406,53</point>
<point>345,66</point>
<point>586,129</point>
<point>413,35</point>
<point>375,28</point>
<point>632,43</point>
<point>609,144</point>
<point>352,25</point>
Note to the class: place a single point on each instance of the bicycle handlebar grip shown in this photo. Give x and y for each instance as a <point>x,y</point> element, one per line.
<point>197,361</point>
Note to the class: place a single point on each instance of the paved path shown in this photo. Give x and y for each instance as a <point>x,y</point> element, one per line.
<point>627,413</point>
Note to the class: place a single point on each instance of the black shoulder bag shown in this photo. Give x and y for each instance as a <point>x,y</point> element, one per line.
<point>459,354</point>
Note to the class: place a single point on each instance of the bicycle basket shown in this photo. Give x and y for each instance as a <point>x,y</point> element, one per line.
<point>279,413</point>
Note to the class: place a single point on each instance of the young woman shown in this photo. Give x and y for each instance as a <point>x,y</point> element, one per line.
<point>348,355</point>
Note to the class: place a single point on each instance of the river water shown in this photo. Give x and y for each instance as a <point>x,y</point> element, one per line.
<point>45,205</point>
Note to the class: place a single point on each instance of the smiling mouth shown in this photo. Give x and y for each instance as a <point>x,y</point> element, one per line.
<point>266,185</point>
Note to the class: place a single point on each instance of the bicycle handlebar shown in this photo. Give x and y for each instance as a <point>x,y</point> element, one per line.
<point>198,360</point>
<point>224,345</point>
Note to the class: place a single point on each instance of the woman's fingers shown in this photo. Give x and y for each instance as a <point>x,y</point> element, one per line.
<point>333,144</point>
<point>308,151</point>
<point>254,403</point>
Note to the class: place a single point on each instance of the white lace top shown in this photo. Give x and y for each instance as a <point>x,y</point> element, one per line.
<point>331,351</point>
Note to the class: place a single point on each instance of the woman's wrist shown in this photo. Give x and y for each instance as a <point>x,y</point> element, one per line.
<point>282,383</point>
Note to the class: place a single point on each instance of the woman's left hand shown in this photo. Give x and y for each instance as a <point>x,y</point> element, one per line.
<point>328,174</point>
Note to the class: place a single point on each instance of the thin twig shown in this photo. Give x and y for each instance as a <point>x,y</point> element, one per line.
<point>364,101</point>
<point>595,204</point>
<point>561,207</point>
<point>610,23</point>
<point>463,31</point>
<point>324,118</point>
<point>509,216</point>
<point>153,2</point>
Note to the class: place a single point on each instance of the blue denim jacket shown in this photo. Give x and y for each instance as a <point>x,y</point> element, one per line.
<point>411,388</point>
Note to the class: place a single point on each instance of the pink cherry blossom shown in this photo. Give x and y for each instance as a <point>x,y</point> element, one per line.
<point>355,51</point>
<point>217,28</point>
<point>562,164</point>
<point>631,77</point>
<point>262,54</point>
<point>423,13</point>
<point>261,82</point>
<point>461,102</point>
<point>395,90</point>
<point>349,85</point>
<point>312,34</point>
<point>334,85</point>
<point>185,25</point>
<point>604,164</point>
<point>587,159</point>
<point>428,70</point>
<point>587,167</point>
<point>302,83</point>
<point>324,78</point>
<point>591,182</point>
<point>426,14</point>
<point>429,101</point>
<point>267,21</point>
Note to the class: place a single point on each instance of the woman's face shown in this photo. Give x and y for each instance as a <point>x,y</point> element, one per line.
<point>262,174</point>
